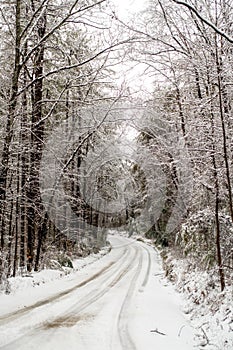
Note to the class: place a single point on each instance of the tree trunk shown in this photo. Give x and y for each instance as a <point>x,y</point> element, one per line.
<point>224,133</point>
<point>35,219</point>
<point>217,199</point>
<point>9,127</point>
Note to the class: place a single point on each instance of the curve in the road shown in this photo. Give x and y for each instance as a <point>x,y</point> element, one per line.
<point>110,275</point>
<point>21,312</point>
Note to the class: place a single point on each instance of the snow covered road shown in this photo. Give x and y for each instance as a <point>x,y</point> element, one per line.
<point>118,303</point>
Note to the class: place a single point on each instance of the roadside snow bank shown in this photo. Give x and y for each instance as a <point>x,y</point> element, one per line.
<point>34,279</point>
<point>210,311</point>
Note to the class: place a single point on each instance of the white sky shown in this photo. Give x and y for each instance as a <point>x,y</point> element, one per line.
<point>134,76</point>
<point>127,7</point>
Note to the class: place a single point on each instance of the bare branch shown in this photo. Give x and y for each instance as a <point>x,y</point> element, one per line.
<point>149,36</point>
<point>210,24</point>
<point>59,25</point>
<point>43,4</point>
<point>76,65</point>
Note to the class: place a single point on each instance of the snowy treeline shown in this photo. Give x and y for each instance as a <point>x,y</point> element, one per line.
<point>60,58</point>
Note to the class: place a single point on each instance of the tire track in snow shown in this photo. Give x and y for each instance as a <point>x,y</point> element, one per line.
<point>146,278</point>
<point>73,317</point>
<point>93,296</point>
<point>123,331</point>
<point>4,319</point>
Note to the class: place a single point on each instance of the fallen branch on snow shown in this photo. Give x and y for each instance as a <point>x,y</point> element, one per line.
<point>156,331</point>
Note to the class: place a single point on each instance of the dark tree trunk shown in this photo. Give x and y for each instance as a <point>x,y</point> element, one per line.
<point>9,128</point>
<point>35,208</point>
<point>224,133</point>
<point>217,200</point>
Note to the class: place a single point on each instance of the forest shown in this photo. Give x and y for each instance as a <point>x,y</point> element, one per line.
<point>86,145</point>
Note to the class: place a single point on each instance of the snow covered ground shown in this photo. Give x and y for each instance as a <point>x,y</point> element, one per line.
<point>121,301</point>
<point>34,279</point>
<point>209,310</point>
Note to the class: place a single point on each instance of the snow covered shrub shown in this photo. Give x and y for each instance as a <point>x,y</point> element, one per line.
<point>65,261</point>
<point>168,265</point>
<point>196,238</point>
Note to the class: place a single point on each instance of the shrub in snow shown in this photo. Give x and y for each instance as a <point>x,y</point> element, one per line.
<point>65,261</point>
<point>210,311</point>
<point>196,238</point>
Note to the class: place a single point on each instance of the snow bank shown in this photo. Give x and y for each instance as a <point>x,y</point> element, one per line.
<point>34,279</point>
<point>210,311</point>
